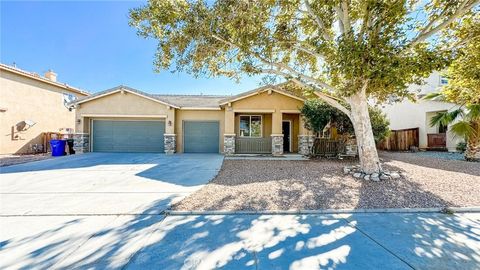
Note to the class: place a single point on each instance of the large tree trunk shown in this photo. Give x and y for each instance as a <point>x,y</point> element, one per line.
<point>367,149</point>
<point>472,153</point>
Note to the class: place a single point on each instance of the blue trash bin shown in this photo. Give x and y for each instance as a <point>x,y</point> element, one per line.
<point>58,147</point>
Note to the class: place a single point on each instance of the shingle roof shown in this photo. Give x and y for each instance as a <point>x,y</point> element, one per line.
<point>37,77</point>
<point>178,101</point>
<point>193,101</point>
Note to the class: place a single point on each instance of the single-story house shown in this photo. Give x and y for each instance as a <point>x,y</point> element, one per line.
<point>122,119</point>
<point>31,105</point>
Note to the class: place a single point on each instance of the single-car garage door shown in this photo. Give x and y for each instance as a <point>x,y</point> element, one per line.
<point>128,136</point>
<point>200,137</point>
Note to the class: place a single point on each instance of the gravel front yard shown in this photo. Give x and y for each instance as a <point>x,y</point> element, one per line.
<point>284,185</point>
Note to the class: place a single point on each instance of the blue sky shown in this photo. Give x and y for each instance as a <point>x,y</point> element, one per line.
<point>90,46</point>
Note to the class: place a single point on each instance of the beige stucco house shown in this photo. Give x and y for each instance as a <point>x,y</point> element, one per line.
<point>122,119</point>
<point>30,105</point>
<point>407,114</point>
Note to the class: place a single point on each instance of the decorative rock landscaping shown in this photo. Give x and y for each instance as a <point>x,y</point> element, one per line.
<point>356,172</point>
<point>321,184</point>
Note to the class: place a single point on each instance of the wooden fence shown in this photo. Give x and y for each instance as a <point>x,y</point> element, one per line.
<point>400,140</point>
<point>325,147</point>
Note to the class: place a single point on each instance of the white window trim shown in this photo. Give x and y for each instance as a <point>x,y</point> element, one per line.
<point>250,131</point>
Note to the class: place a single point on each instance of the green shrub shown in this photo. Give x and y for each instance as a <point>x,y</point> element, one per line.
<point>461,146</point>
<point>317,114</point>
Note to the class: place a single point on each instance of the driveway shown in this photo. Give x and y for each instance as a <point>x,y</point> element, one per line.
<point>104,183</point>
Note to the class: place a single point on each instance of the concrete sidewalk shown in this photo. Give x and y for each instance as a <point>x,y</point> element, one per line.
<point>333,241</point>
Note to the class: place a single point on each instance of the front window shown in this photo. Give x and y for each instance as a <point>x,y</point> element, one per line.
<point>251,126</point>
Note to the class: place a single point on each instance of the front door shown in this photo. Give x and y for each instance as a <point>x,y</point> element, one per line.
<point>286,128</point>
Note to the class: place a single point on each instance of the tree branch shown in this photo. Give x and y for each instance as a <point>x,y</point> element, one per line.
<point>341,25</point>
<point>332,102</point>
<point>323,31</point>
<point>312,53</point>
<point>346,16</point>
<point>367,21</point>
<point>426,33</point>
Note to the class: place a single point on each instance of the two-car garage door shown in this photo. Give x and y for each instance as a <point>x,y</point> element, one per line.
<point>128,136</point>
<point>148,136</point>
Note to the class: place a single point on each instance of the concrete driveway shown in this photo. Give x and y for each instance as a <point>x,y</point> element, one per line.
<point>105,211</point>
<point>104,183</point>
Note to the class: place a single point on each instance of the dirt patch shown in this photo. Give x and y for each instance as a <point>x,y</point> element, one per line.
<point>8,160</point>
<point>321,184</point>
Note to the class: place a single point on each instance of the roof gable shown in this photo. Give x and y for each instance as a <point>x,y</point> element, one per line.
<point>126,89</point>
<point>274,88</point>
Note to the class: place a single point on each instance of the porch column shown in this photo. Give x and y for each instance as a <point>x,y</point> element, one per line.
<point>277,136</point>
<point>170,138</point>
<point>229,135</point>
<point>305,138</point>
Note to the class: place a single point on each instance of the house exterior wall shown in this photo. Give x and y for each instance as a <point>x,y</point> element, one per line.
<point>265,101</point>
<point>25,98</point>
<point>118,105</point>
<point>197,115</point>
<point>407,114</point>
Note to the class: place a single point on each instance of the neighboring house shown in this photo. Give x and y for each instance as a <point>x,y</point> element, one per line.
<point>122,119</point>
<point>30,105</point>
<point>407,114</point>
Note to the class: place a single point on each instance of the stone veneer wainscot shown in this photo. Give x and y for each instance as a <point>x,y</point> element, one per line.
<point>170,143</point>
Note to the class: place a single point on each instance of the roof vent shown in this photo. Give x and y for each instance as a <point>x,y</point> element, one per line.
<point>52,76</point>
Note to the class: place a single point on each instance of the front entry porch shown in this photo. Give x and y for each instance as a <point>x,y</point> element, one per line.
<point>275,133</point>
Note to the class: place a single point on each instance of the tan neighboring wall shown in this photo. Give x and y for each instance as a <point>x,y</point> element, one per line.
<point>197,115</point>
<point>25,98</point>
<point>123,106</point>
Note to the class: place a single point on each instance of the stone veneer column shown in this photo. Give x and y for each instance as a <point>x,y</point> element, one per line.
<point>277,144</point>
<point>81,143</point>
<point>305,144</point>
<point>170,143</point>
<point>229,144</point>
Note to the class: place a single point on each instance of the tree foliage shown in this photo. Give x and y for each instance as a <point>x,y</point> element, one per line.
<point>317,114</point>
<point>347,50</point>
<point>463,87</point>
<point>464,73</point>
<point>336,46</point>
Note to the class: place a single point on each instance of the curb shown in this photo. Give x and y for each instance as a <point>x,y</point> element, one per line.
<point>474,209</point>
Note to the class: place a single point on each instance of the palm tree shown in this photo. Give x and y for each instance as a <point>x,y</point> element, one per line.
<point>465,122</point>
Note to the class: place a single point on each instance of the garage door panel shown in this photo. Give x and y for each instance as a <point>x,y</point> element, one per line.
<point>201,137</point>
<point>102,138</point>
<point>128,136</point>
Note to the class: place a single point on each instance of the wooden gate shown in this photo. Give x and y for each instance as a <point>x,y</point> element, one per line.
<point>400,140</point>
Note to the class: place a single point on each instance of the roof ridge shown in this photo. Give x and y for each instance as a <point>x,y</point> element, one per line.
<point>190,95</point>
<point>37,76</point>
